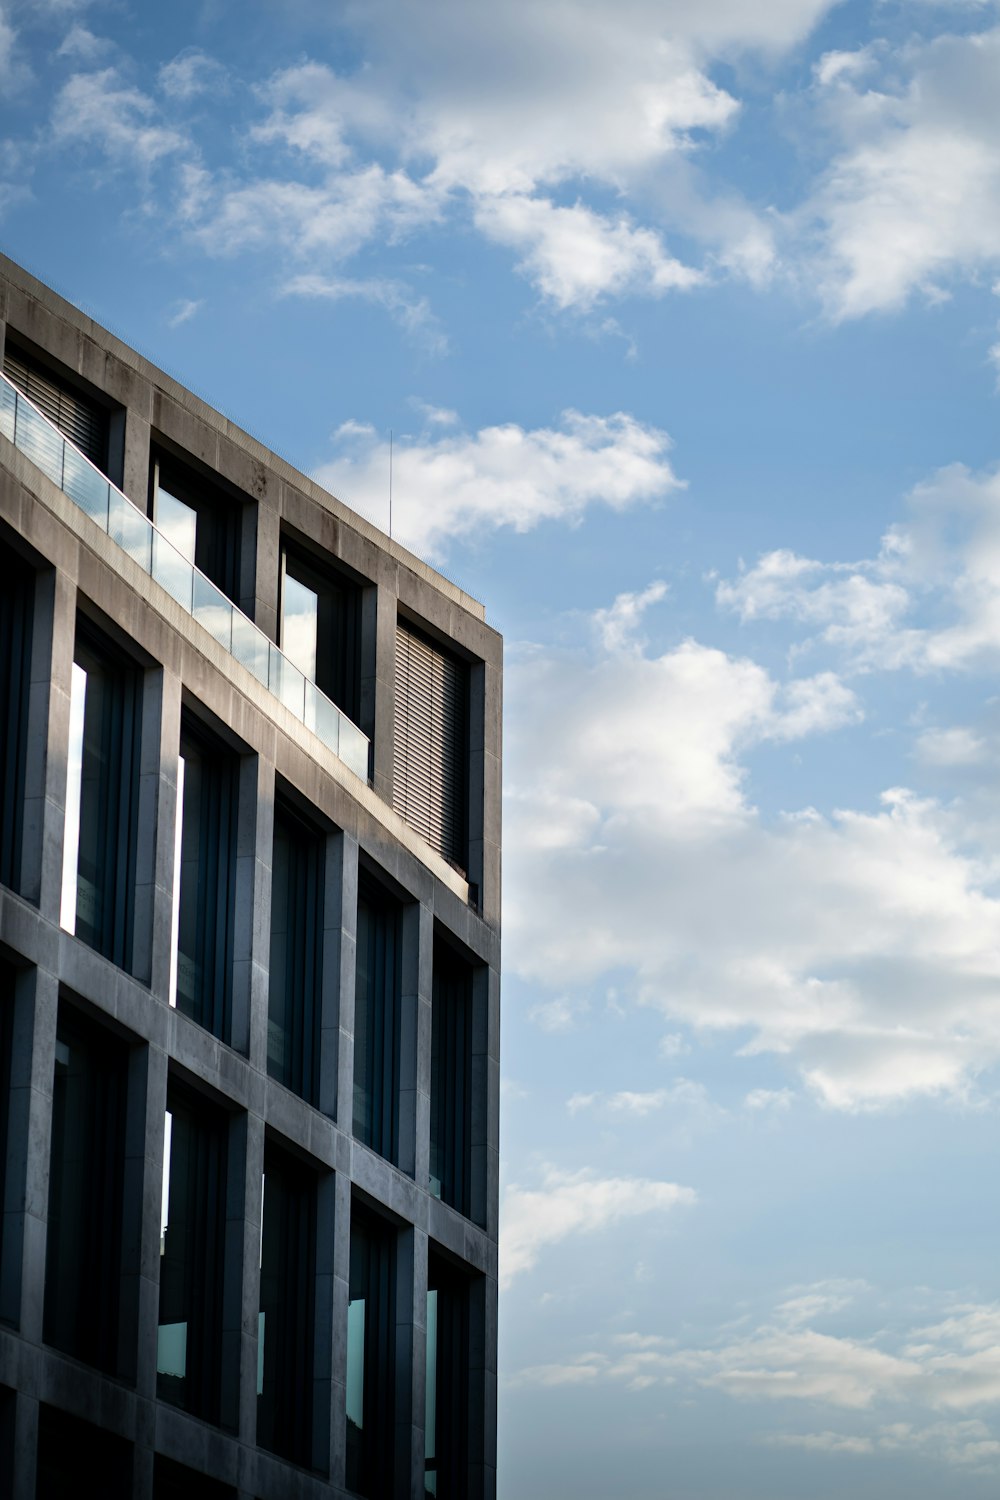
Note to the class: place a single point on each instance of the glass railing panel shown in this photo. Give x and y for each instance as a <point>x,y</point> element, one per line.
<point>322,717</point>
<point>213,610</point>
<point>8,406</point>
<point>353,749</point>
<point>86,486</point>
<point>129,527</point>
<point>173,571</point>
<point>286,683</point>
<point>251,647</point>
<point>42,442</point>
<point>131,530</point>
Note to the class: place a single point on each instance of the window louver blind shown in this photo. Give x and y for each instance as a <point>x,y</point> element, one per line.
<point>431,743</point>
<point>82,421</point>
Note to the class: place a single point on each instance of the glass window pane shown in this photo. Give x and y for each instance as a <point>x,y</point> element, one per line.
<point>295,975</point>
<point>287,1271</point>
<point>299,625</point>
<point>86,1177</point>
<point>189,1336</point>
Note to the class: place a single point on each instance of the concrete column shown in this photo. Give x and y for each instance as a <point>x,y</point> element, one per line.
<point>49,873</point>
<point>347,974</point>
<point>267,571</point>
<point>485,1138</point>
<point>252,1037</point>
<point>22,1189</point>
<point>34,1035</point>
<point>25,1445</point>
<point>37,758</point>
<point>160,741</point>
<point>241,1311</point>
<point>385,689</point>
<point>340,919</point>
<point>411,1362</point>
<point>153,1107</point>
<point>135,1202</point>
<point>415,1041</point>
<point>326,1411</point>
<point>135,459</point>
<point>339,1292</point>
<point>483,1387</point>
<point>248,952</point>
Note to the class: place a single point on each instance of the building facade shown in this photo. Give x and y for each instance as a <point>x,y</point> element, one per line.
<point>249,960</point>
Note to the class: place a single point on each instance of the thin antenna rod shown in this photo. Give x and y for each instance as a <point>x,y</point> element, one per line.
<point>390,484</point>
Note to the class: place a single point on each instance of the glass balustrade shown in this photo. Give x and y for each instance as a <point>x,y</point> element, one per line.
<point>41,441</point>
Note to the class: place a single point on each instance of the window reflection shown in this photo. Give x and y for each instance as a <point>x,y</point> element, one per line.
<point>370,1357</point>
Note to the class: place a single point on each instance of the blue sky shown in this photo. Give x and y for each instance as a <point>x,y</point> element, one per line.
<point>685,320</point>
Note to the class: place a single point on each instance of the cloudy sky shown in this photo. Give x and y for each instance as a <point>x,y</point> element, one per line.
<point>685,318</point>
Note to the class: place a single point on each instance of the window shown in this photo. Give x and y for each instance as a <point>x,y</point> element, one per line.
<point>102,798</point>
<point>376,1021</point>
<point>321,628</point>
<point>86,1184</point>
<point>294,994</point>
<point>286,1325</point>
<point>205,879</point>
<point>189,1339</point>
<point>451,1080</point>
<point>370,1357</point>
<point>446,1421</point>
<point>80,418</point>
<point>70,1449</point>
<point>17,599</point>
<point>201,519</point>
<point>431,743</point>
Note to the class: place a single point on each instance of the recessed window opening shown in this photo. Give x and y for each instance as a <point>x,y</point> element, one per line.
<point>17,599</point>
<point>287,1308</point>
<point>451,1079</point>
<point>296,967</point>
<point>102,798</point>
<point>430,777</point>
<point>446,1421</point>
<point>321,628</point>
<point>192,1235</point>
<point>377,1007</point>
<point>204,911</point>
<point>80,418</point>
<point>200,520</point>
<point>86,1186</point>
<point>370,1356</point>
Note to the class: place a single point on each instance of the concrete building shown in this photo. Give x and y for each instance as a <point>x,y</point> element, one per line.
<point>249,960</point>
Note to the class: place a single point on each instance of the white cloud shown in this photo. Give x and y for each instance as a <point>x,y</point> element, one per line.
<point>467,484</point>
<point>81,44</point>
<point>98,109</point>
<point>189,74</point>
<point>639,1103</point>
<point>822,1442</point>
<point>951,1368</point>
<point>413,313</point>
<point>769,1099</point>
<point>956,747</point>
<point>333,219</point>
<point>914,198</point>
<point>575,256</point>
<point>618,625</point>
<point>532,1219</point>
<point>184,311</point>
<point>859,945</point>
<point>930,599</point>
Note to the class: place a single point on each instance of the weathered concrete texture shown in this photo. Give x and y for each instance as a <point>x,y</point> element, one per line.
<point>80,572</point>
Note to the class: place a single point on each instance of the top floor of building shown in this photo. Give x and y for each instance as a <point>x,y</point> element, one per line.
<point>392,667</point>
